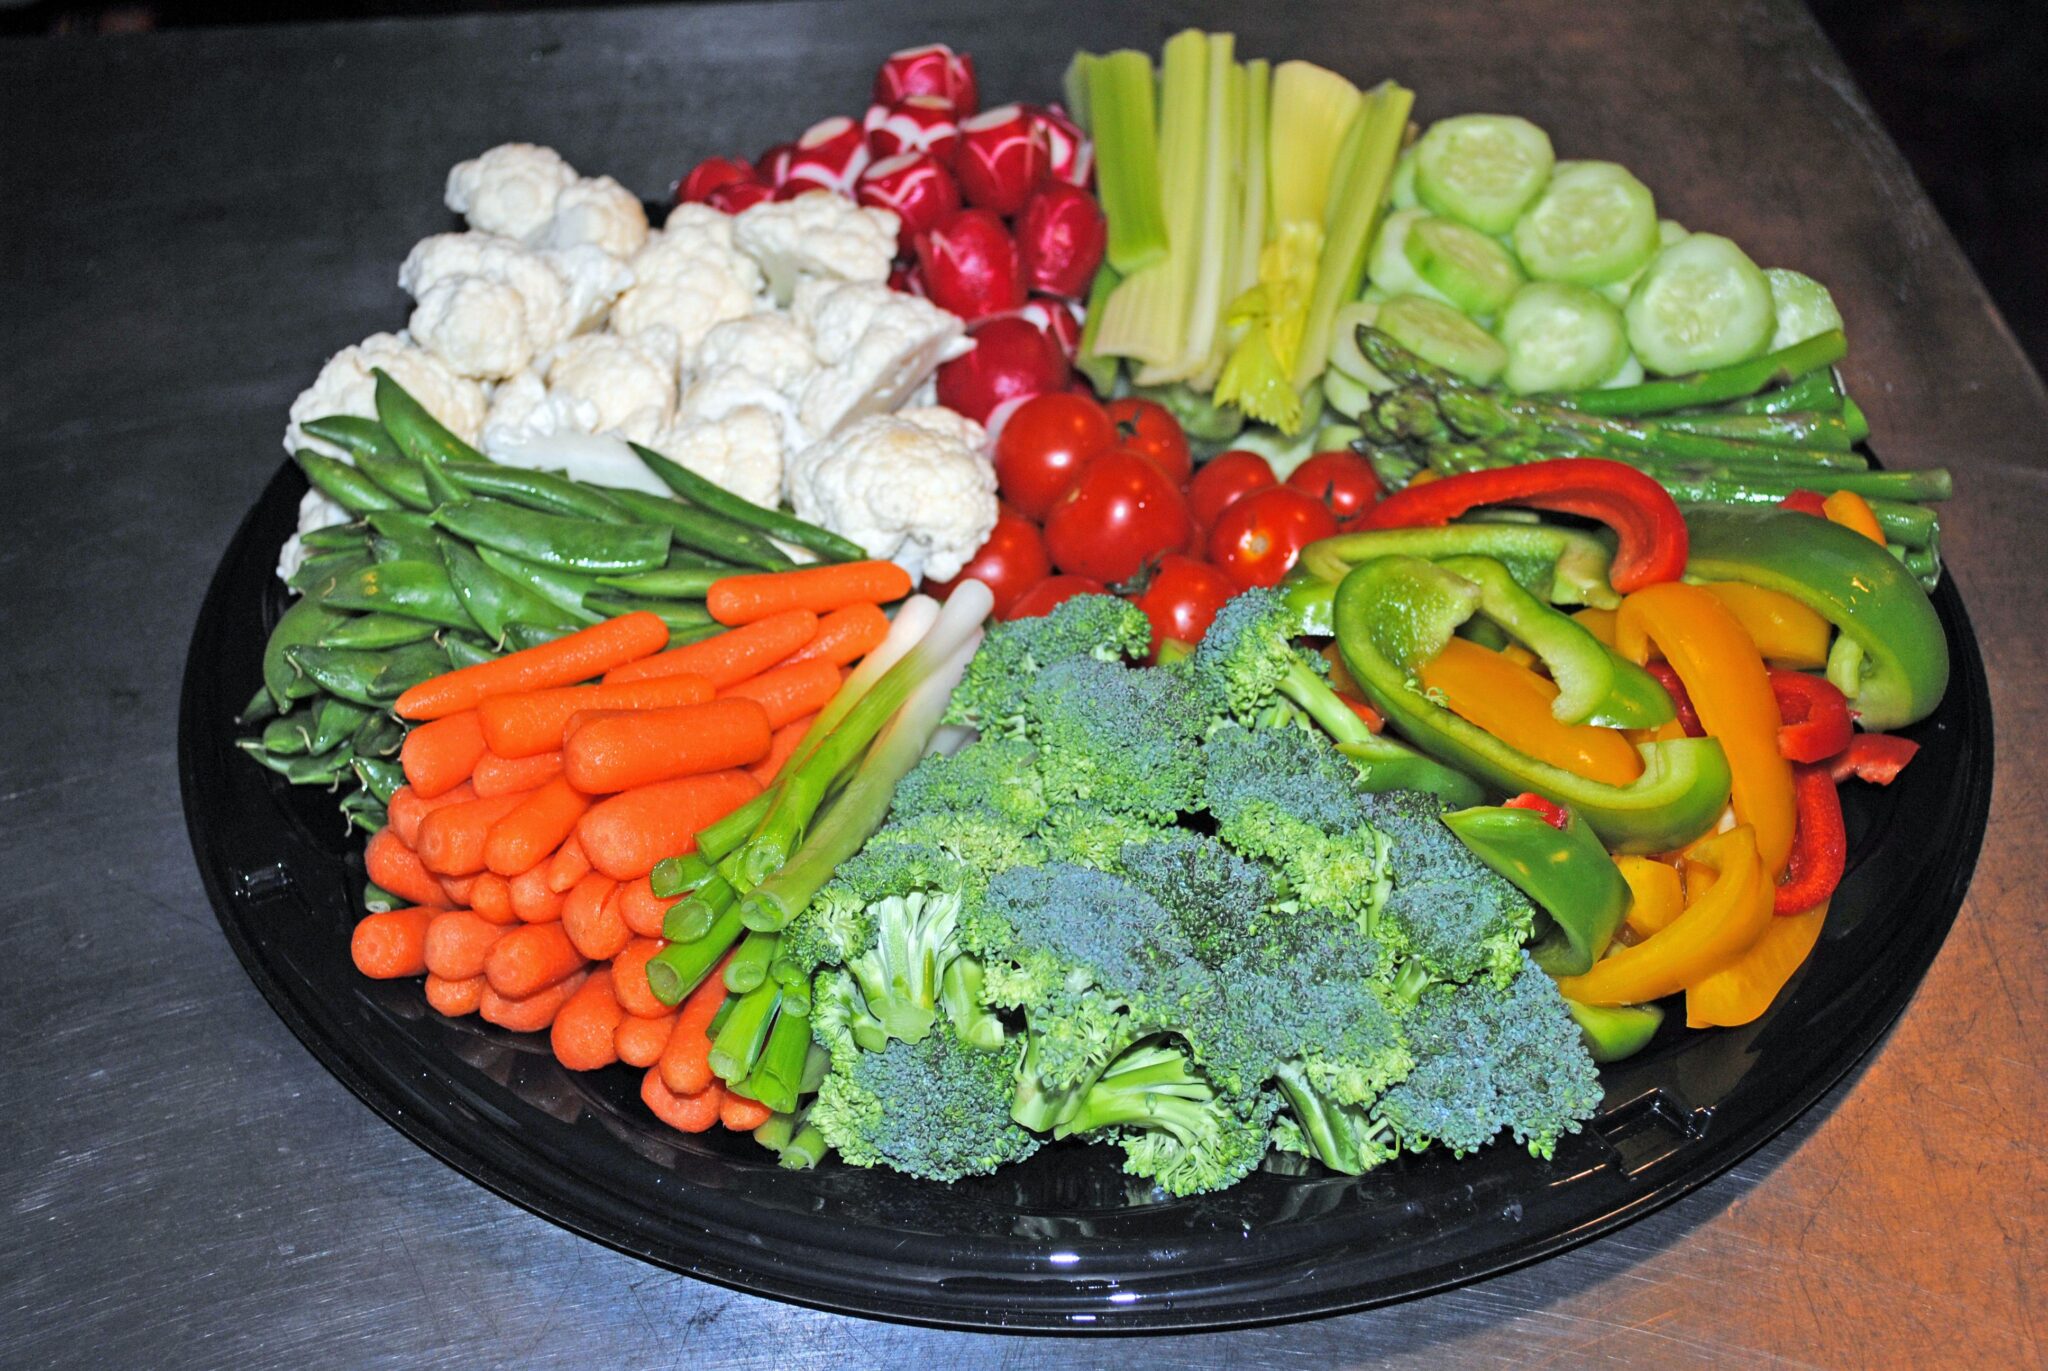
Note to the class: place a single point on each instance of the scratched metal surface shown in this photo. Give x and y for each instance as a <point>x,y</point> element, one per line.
<point>190,223</point>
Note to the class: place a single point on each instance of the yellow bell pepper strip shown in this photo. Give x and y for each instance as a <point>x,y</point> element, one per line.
<point>1853,512</point>
<point>1598,622</point>
<point>1513,703</point>
<point>1656,895</point>
<point>1712,933</point>
<point>1787,633</point>
<point>1730,691</point>
<point>1741,991</point>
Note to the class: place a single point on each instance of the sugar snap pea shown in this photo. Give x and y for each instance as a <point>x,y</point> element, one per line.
<point>677,614</point>
<point>353,433</point>
<point>380,778</point>
<point>304,624</point>
<point>704,531</point>
<point>376,630</point>
<point>709,495</point>
<point>556,539</point>
<point>342,483</point>
<point>380,736</point>
<point>562,589</point>
<point>334,723</point>
<point>289,735</point>
<point>417,433</point>
<point>364,810</point>
<point>667,583</point>
<point>369,678</point>
<point>402,479</point>
<point>316,574</point>
<point>464,650</point>
<point>327,770</point>
<point>336,538</point>
<point>411,589</point>
<point>259,709</point>
<point>494,600</point>
<point>519,637</point>
<point>541,490</point>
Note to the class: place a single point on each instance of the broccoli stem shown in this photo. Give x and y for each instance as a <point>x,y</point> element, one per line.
<point>960,993</point>
<point>748,968</point>
<point>1146,1087</point>
<point>777,1079</point>
<point>681,967</point>
<point>737,1046</point>
<point>1340,1137</point>
<point>1310,691</point>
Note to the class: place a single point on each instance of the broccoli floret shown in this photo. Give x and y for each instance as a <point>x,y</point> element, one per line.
<point>1249,659</point>
<point>1220,901</point>
<point>1176,1128</point>
<point>1085,835</point>
<point>900,974</point>
<point>936,1108</point>
<point>1347,1138</point>
<point>981,840</point>
<point>1446,908</point>
<point>1118,738</point>
<point>840,923</point>
<point>1103,627</point>
<point>1490,1057</point>
<point>1294,769</point>
<point>1343,873</point>
<point>995,774</point>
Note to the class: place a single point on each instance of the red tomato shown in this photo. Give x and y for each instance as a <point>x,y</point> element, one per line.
<point>1224,480</point>
<point>1343,481</point>
<point>1151,431</point>
<point>1044,446</point>
<point>1183,597</point>
<point>1010,562</point>
<point>1257,540</point>
<point>1120,513</point>
<point>1049,594</point>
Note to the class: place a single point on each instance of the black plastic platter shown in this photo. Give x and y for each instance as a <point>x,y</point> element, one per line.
<point>1065,1241</point>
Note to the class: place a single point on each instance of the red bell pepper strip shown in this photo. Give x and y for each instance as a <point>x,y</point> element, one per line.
<point>1681,702</point>
<point>1652,532</point>
<point>1816,717</point>
<point>1820,845</point>
<point>1367,715</point>
<point>1553,814</point>
<point>1874,757</point>
<point>1806,502</point>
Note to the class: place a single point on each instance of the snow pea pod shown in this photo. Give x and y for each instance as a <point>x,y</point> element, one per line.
<point>677,614</point>
<point>668,583</point>
<point>562,589</point>
<point>302,625</point>
<point>541,490</point>
<point>519,637</point>
<point>380,778</point>
<point>334,723</point>
<point>708,495</point>
<point>316,574</point>
<point>336,538</point>
<point>704,531</point>
<point>464,650</point>
<point>364,811</point>
<point>404,536</point>
<point>289,735</point>
<point>369,678</point>
<point>404,481</point>
<point>353,433</point>
<point>412,589</point>
<point>259,709</point>
<point>376,630</point>
<point>417,433</point>
<point>554,539</point>
<point>300,769</point>
<point>342,483</point>
<point>381,735</point>
<point>493,600</point>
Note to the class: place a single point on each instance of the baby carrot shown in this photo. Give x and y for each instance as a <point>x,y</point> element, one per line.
<point>583,1033</point>
<point>490,895</point>
<point>408,808</point>
<point>641,908</point>
<point>454,998</point>
<point>744,599</point>
<point>535,828</point>
<point>440,756</point>
<point>530,958</point>
<point>731,656</point>
<point>629,978</point>
<point>529,1015</point>
<point>577,657</point>
<point>627,834</point>
<point>780,748</point>
<point>452,838</point>
<point>684,1113</point>
<point>458,888</point>
<point>458,943</point>
<point>640,1041</point>
<point>532,900</point>
<point>591,919</point>
<point>686,1057</point>
<point>606,755</point>
<point>844,636</point>
<point>397,868</point>
<point>741,1114</point>
<point>567,866</point>
<point>495,775</point>
<point>533,721</point>
<point>392,944</point>
<point>789,692</point>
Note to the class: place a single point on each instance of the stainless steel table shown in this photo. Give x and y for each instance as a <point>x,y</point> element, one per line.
<point>190,222</point>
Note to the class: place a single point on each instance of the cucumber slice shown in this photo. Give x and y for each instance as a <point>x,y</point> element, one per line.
<point>1401,189</point>
<point>1594,224</point>
<point>1629,373</point>
<point>1560,337</point>
<point>1482,169</point>
<point>1388,267</point>
<point>1346,395</point>
<point>1670,231</point>
<point>1345,358</point>
<point>1701,304</point>
<point>1469,269</point>
<point>1803,305</point>
<point>1437,333</point>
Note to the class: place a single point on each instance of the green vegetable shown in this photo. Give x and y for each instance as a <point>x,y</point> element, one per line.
<point>555,540</point>
<point>418,434</point>
<point>1565,871</point>
<point>305,623</point>
<point>1593,225</point>
<point>1462,265</point>
<point>1560,337</point>
<point>1612,1033</point>
<point>1482,169</point>
<point>709,495</point>
<point>1358,190</point>
<point>934,1109</point>
<point>497,601</point>
<point>1701,304</point>
<point>704,531</point>
<point>1122,116</point>
<point>413,590</point>
<point>539,490</point>
<point>1440,335</point>
<point>342,483</point>
<point>1736,381</point>
<point>353,433</point>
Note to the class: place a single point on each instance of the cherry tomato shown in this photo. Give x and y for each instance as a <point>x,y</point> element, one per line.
<point>1257,539</point>
<point>1151,431</point>
<point>1182,598</point>
<point>1049,594</point>
<point>1009,563</point>
<point>1343,481</point>
<point>1224,480</point>
<point>1120,513</point>
<point>1044,446</point>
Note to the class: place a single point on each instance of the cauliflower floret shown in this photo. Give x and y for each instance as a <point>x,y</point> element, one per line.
<point>523,411</point>
<point>543,294</point>
<point>718,392</point>
<point>698,227</point>
<point>632,389</point>
<point>687,281</point>
<point>476,325</point>
<point>599,212</point>
<point>510,190</point>
<point>816,234</point>
<point>741,451</point>
<point>772,346</point>
<point>345,386</point>
<point>878,345</point>
<point>950,424</point>
<point>903,490</point>
<point>316,511</point>
<point>595,279</point>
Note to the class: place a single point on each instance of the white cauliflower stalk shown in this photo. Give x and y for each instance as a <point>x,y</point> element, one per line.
<point>878,346</point>
<point>510,190</point>
<point>817,234</point>
<point>523,410</point>
<point>596,212</point>
<point>912,492</point>
<point>345,386</point>
<point>632,389</point>
<point>594,278</point>
<point>741,451</point>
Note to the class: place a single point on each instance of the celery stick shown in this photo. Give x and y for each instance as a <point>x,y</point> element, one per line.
<point>1100,370</point>
<point>1231,158</point>
<point>1075,86</point>
<point>1213,218</point>
<point>1359,184</point>
<point>1311,111</point>
<point>1124,124</point>
<point>1251,229</point>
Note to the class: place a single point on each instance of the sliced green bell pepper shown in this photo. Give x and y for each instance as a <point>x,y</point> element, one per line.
<point>1565,871</point>
<point>1612,1032</point>
<point>1384,764</point>
<point>1392,614</point>
<point>1890,656</point>
<point>1560,565</point>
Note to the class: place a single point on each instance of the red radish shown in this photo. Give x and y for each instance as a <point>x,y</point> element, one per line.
<point>739,195</point>
<point>917,123</point>
<point>1060,237</point>
<point>710,174</point>
<point>969,264</point>
<point>1057,319</point>
<point>906,279</point>
<point>915,187</point>
<point>934,69</point>
<point>1011,359</point>
<point>830,155</point>
<point>1001,159</point>
<point>773,165</point>
<point>1071,154</point>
